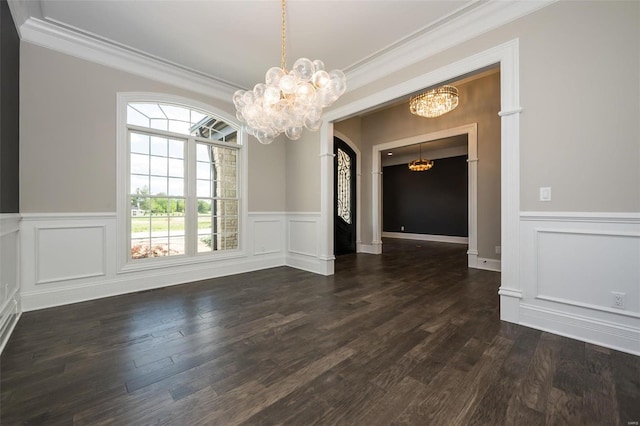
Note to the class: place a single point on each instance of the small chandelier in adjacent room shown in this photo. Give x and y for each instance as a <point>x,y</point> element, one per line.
<point>289,101</point>
<point>421,164</point>
<point>435,102</point>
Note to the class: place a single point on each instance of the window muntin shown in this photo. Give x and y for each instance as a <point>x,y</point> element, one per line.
<point>183,189</point>
<point>180,120</point>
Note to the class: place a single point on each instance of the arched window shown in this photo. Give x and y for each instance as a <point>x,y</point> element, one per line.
<point>182,182</point>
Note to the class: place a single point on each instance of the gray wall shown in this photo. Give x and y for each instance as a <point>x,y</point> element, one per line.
<point>68,136</point>
<point>9,112</point>
<point>579,85</point>
<point>434,202</point>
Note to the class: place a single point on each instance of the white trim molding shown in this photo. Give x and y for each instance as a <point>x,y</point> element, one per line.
<point>304,250</point>
<point>426,237</point>
<point>507,56</point>
<point>10,300</point>
<point>462,25</point>
<point>572,265</point>
<point>471,130</point>
<point>55,37</point>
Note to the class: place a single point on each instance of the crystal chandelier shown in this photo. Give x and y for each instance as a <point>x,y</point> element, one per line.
<point>289,101</point>
<point>421,164</point>
<point>435,102</point>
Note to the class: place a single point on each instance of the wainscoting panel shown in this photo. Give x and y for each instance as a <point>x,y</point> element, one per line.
<point>70,253</point>
<point>268,232</point>
<point>10,302</point>
<point>303,238</point>
<point>580,276</point>
<point>68,258</point>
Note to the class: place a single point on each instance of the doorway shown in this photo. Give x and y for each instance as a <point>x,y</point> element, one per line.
<point>344,213</point>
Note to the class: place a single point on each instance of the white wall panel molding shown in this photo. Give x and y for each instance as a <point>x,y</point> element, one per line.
<point>71,257</point>
<point>267,233</point>
<point>69,252</point>
<point>10,300</point>
<point>571,265</point>
<point>594,217</point>
<point>304,248</point>
<point>55,37</point>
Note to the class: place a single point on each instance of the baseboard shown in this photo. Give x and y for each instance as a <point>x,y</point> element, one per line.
<point>488,264</point>
<point>9,316</point>
<point>427,237</point>
<point>146,280</point>
<point>370,248</point>
<point>310,264</point>
<point>587,329</point>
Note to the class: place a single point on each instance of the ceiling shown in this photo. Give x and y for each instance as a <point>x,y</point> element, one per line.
<point>235,42</point>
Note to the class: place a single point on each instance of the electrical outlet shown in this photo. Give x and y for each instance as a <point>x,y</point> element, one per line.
<point>618,299</point>
<point>498,249</point>
<point>402,228</point>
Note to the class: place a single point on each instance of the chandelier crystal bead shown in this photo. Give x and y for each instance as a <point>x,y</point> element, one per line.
<point>289,101</point>
<point>434,103</point>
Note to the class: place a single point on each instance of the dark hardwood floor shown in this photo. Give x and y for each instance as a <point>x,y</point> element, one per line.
<point>409,337</point>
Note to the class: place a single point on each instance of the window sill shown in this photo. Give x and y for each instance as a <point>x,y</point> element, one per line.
<point>177,261</point>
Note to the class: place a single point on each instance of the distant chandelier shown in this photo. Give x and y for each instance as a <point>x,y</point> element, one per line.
<point>289,101</point>
<point>421,164</point>
<point>435,102</point>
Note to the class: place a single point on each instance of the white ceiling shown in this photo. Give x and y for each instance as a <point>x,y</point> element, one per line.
<point>237,41</point>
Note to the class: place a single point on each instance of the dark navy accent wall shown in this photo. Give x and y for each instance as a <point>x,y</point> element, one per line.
<point>9,111</point>
<point>433,202</point>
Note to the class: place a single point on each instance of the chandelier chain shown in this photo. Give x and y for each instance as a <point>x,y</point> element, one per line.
<point>283,35</point>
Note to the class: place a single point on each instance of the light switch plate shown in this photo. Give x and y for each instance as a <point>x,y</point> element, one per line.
<point>545,193</point>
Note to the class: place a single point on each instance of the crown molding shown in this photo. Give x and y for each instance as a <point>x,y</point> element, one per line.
<point>51,36</point>
<point>481,19</point>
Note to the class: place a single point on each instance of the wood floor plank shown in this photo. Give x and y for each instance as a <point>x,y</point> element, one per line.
<point>409,337</point>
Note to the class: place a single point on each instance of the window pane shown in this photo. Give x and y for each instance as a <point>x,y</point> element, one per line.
<point>174,112</point>
<point>203,153</point>
<point>176,226</point>
<point>231,208</point>
<point>160,124</point>
<point>158,186</point>
<point>140,164</point>
<point>176,167</point>
<point>139,143</point>
<point>158,146</point>
<point>203,188</point>
<point>204,207</point>
<point>205,243</point>
<point>231,241</point>
<point>176,187</point>
<point>203,170</point>
<point>176,148</point>
<point>136,118</point>
<point>196,117</point>
<point>150,110</point>
<point>204,225</point>
<point>159,166</point>
<point>160,224</point>
<point>176,246</point>
<point>139,184</point>
<point>179,127</point>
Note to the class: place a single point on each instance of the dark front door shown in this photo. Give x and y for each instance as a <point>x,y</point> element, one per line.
<point>344,223</point>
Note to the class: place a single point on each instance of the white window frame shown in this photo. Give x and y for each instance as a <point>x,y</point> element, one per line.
<point>124,261</point>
